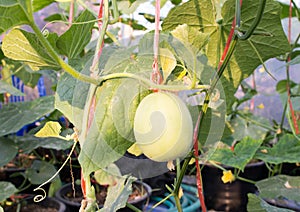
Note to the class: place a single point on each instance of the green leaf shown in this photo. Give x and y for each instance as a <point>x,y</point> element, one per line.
<point>40,172</point>
<point>243,153</point>
<point>190,37</point>
<point>201,15</point>
<point>280,186</point>
<point>126,7</point>
<point>257,204</point>
<point>24,46</point>
<point>73,41</point>
<point>29,142</point>
<point>71,94</point>
<point>286,150</point>
<point>40,4</point>
<point>7,189</point>
<point>8,150</point>
<point>7,88</point>
<point>14,13</point>
<point>16,115</point>
<point>246,124</point>
<point>117,195</point>
<point>111,132</point>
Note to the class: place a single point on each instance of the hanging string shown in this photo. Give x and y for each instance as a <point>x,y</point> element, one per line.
<point>156,75</point>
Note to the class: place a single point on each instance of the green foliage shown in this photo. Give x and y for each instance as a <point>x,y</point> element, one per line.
<point>40,171</point>
<point>7,189</point>
<point>286,150</point>
<point>280,186</point>
<point>14,13</point>
<point>8,150</point>
<point>239,157</point>
<point>24,46</point>
<point>16,115</point>
<point>201,15</point>
<point>73,41</point>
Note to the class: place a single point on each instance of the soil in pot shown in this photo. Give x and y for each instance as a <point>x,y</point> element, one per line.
<point>231,197</point>
<point>140,194</point>
<point>28,205</point>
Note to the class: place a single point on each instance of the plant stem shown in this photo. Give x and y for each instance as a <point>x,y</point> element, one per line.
<point>179,180</point>
<point>132,207</point>
<point>70,70</point>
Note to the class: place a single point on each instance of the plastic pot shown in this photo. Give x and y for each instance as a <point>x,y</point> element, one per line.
<point>231,197</point>
<point>28,205</point>
<point>73,204</point>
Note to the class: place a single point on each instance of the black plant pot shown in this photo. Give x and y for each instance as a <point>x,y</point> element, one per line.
<point>231,197</point>
<point>74,204</point>
<point>28,205</point>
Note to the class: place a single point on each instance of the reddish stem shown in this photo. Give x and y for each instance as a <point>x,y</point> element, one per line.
<point>71,13</point>
<point>198,170</point>
<point>294,119</point>
<point>93,103</point>
<point>156,76</point>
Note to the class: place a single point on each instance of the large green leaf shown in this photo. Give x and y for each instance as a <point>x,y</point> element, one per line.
<point>15,115</point>
<point>71,94</point>
<point>8,150</point>
<point>14,13</point>
<point>241,155</point>
<point>202,16</point>
<point>7,189</point>
<point>110,134</point>
<point>286,150</point>
<point>7,88</point>
<point>257,204</point>
<point>280,186</point>
<point>29,142</point>
<point>24,46</point>
<point>73,41</point>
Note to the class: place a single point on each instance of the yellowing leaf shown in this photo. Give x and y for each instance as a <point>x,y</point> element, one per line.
<point>135,150</point>
<point>51,129</point>
<point>167,61</point>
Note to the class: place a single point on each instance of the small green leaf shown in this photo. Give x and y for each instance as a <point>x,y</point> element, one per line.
<point>167,61</point>
<point>25,46</point>
<point>73,41</point>
<point>50,129</point>
<point>191,37</point>
<point>40,4</point>
<point>8,150</point>
<point>117,195</point>
<point>7,189</point>
<point>108,176</point>
<point>40,172</point>
<point>243,153</point>
<point>286,150</point>
<point>16,115</point>
<point>7,88</point>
